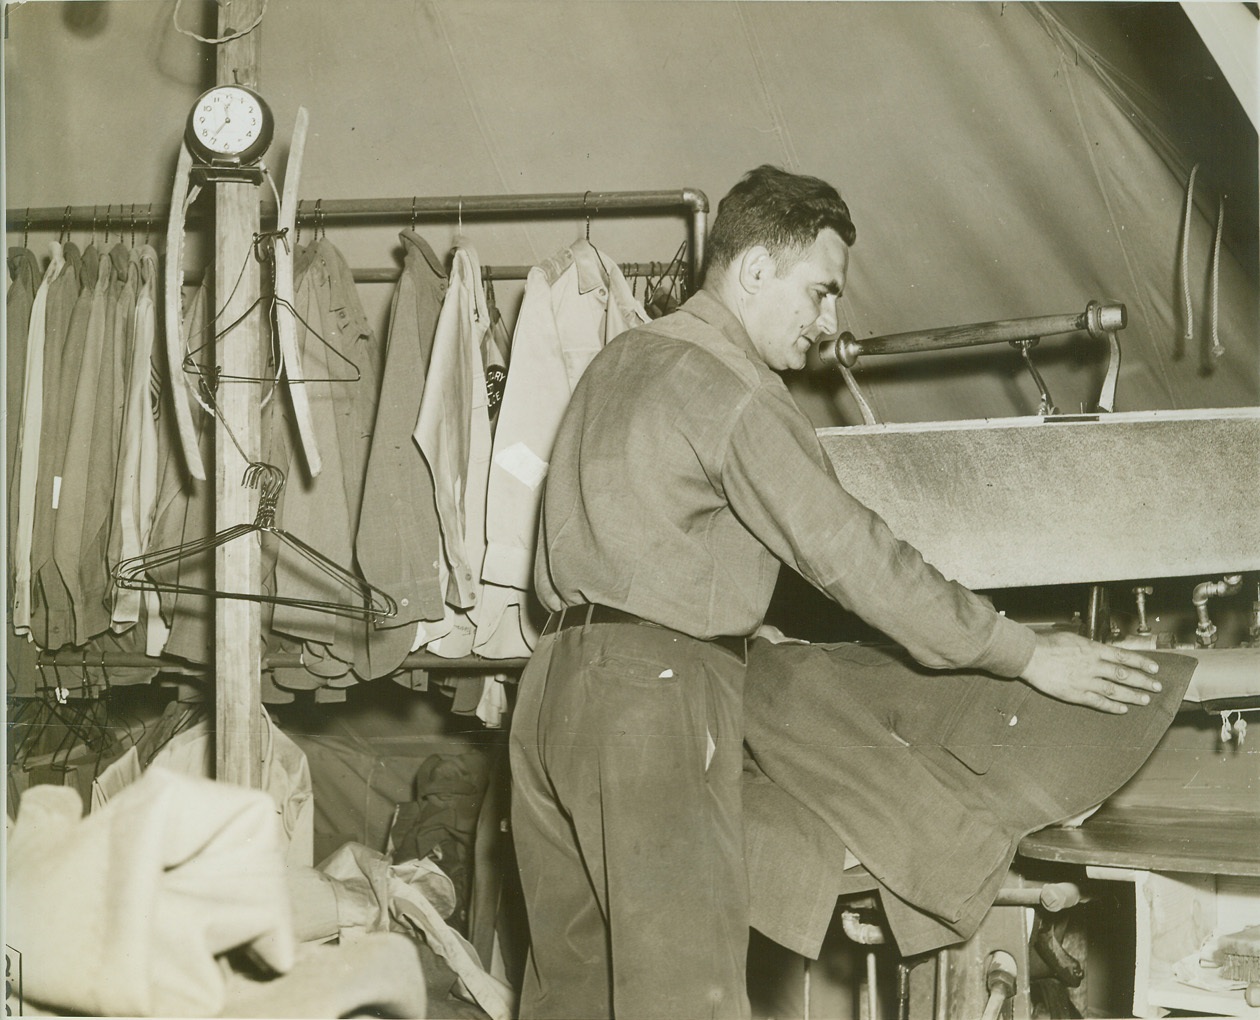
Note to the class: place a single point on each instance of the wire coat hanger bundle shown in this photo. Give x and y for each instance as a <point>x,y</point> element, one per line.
<point>372,604</point>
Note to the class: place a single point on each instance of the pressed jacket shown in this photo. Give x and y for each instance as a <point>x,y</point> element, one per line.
<point>683,472</point>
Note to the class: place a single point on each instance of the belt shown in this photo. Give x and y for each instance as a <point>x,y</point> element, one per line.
<point>580,616</point>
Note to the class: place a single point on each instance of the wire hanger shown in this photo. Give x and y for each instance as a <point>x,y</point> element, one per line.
<point>372,604</point>
<point>669,289</point>
<point>265,253</point>
<point>588,215</point>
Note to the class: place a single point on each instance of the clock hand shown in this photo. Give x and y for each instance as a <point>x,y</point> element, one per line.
<point>227,119</point>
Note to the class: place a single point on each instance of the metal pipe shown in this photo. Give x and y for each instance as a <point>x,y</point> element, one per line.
<point>274,660</point>
<point>590,203</point>
<point>1098,319</point>
<point>941,1005</point>
<point>872,987</point>
<point>582,202</point>
<point>1053,896</point>
<point>1205,632</point>
<point>389,274</point>
<point>1099,622</point>
<point>1000,981</point>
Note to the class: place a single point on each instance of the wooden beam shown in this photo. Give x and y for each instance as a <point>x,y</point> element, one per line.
<point>238,565</point>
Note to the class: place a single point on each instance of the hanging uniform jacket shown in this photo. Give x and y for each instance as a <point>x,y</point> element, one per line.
<point>184,512</point>
<point>453,434</point>
<point>334,339</point>
<point>125,437</point>
<point>82,404</point>
<point>49,603</point>
<point>399,540</point>
<point>98,496</point>
<point>19,298</point>
<point>29,442</point>
<point>575,302</point>
<point>64,509</point>
<point>137,473</point>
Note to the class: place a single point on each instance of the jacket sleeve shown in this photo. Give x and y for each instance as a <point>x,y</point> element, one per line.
<point>779,482</point>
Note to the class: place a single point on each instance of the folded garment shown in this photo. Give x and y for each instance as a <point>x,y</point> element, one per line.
<point>376,975</point>
<point>132,910</point>
<point>931,778</point>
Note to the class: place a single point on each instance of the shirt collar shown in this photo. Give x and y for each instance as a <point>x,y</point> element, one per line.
<point>410,237</point>
<point>709,309</point>
<point>590,268</point>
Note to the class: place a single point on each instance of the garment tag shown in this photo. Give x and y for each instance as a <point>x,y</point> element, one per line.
<point>56,495</point>
<point>709,748</point>
<point>523,464</point>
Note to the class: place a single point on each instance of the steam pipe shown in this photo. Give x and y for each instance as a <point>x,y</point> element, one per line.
<point>1098,319</point>
<point>1205,632</point>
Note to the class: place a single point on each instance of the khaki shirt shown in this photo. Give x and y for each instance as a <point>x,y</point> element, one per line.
<point>683,473</point>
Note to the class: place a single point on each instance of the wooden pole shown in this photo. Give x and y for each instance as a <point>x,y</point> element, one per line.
<point>238,639</point>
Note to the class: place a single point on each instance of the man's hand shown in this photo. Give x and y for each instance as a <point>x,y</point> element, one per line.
<point>1083,672</point>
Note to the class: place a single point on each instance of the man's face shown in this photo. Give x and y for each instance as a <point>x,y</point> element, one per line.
<point>796,305</point>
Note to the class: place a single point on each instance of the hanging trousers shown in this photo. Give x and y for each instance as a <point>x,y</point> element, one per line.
<point>626,760</point>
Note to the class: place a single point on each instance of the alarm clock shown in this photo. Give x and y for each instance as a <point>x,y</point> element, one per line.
<point>228,130</point>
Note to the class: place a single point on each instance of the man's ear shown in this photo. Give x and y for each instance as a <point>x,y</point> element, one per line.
<point>756,265</point>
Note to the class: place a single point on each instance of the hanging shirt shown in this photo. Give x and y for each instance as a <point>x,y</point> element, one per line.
<point>575,302</point>
<point>184,512</point>
<point>92,389</point>
<point>19,298</point>
<point>81,387</point>
<point>453,434</point>
<point>30,441</point>
<point>334,338</point>
<point>399,540</point>
<point>126,436</point>
<point>49,603</point>
<point>98,497</point>
<point>137,473</point>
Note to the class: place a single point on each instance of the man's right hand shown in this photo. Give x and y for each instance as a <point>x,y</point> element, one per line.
<point>1084,672</point>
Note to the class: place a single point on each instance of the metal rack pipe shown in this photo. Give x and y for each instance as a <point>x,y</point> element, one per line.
<point>587,203</point>
<point>274,660</point>
<point>390,274</point>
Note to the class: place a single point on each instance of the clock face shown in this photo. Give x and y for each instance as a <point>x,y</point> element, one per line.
<point>230,122</point>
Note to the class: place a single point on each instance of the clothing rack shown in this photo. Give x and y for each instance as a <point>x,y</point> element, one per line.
<point>691,201</point>
<point>238,705</point>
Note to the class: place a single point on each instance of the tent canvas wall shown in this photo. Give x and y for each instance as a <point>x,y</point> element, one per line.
<point>1001,160</point>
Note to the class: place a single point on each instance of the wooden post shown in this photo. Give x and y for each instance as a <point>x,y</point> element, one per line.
<point>238,639</point>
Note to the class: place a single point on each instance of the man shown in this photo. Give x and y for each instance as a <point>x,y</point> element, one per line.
<point>683,473</point>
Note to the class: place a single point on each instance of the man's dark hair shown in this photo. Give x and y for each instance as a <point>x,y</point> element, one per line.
<point>781,210</point>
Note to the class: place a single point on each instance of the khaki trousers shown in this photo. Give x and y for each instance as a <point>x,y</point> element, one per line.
<point>626,760</point>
